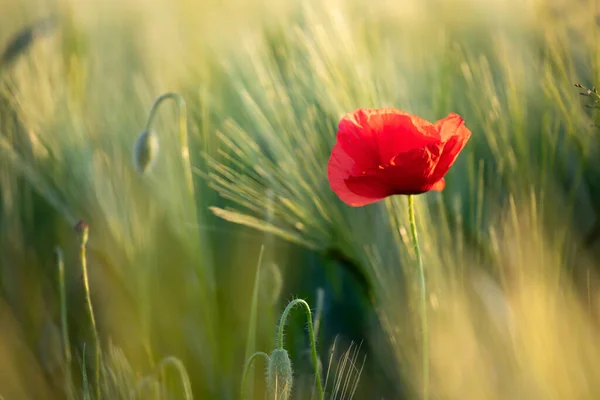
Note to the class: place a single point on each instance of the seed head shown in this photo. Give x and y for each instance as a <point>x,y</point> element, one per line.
<point>83,229</point>
<point>145,151</point>
<point>280,376</point>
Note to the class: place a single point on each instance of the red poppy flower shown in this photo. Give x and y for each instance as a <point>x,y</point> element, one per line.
<point>384,152</point>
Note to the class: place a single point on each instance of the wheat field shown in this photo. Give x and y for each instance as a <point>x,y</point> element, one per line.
<point>181,273</point>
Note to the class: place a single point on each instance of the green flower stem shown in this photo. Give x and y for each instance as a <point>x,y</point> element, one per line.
<point>311,334</point>
<point>159,371</point>
<point>183,132</point>
<point>88,299</point>
<point>63,319</point>
<point>423,284</point>
<point>185,155</point>
<point>246,372</point>
<point>182,372</point>
<point>251,338</point>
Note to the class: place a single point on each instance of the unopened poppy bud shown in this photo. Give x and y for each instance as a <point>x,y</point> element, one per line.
<point>145,151</point>
<point>83,229</point>
<point>280,376</point>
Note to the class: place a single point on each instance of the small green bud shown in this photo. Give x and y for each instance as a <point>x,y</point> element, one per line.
<point>83,229</point>
<point>145,151</point>
<point>280,376</point>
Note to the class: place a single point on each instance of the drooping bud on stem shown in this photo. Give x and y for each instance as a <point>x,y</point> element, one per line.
<point>280,376</point>
<point>183,132</point>
<point>145,151</point>
<point>147,146</point>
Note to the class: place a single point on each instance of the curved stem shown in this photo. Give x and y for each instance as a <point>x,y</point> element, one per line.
<point>183,132</point>
<point>423,284</point>
<point>154,376</point>
<point>63,319</point>
<point>311,334</point>
<point>183,375</point>
<point>245,374</point>
<point>185,155</point>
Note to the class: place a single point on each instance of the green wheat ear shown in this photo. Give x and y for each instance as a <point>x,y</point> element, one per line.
<point>280,375</point>
<point>23,39</point>
<point>145,151</point>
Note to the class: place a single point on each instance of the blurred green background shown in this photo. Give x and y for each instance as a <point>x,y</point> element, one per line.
<point>511,246</point>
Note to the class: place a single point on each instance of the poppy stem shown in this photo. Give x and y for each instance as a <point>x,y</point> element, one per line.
<point>208,276</point>
<point>64,321</point>
<point>183,132</point>
<point>83,229</point>
<point>311,337</point>
<point>188,167</point>
<point>247,369</point>
<point>423,284</point>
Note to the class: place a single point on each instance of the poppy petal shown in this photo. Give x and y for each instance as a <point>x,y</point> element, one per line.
<point>455,135</point>
<point>363,190</point>
<point>358,140</point>
<point>375,137</point>
<point>411,172</point>
<point>450,126</point>
<point>340,169</point>
<point>439,185</point>
<point>400,133</point>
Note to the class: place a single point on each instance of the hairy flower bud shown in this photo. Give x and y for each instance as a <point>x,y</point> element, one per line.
<point>280,376</point>
<point>145,151</point>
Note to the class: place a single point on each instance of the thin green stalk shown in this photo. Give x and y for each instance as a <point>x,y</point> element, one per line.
<point>208,277</point>
<point>160,372</point>
<point>318,315</point>
<point>185,155</point>
<point>311,334</point>
<point>83,229</point>
<point>63,319</point>
<point>183,375</point>
<point>251,338</point>
<point>423,284</point>
<point>319,309</point>
<point>85,383</point>
<point>183,133</point>
<point>246,372</point>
